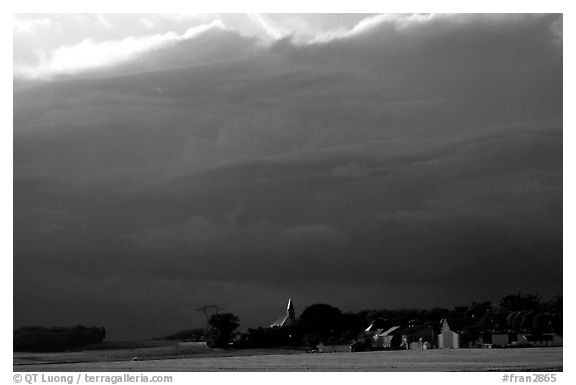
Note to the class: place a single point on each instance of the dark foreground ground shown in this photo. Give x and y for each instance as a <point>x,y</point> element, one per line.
<point>528,359</point>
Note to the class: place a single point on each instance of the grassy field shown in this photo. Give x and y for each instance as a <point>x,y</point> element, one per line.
<point>529,359</point>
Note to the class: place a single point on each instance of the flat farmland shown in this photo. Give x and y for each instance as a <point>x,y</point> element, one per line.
<point>527,359</point>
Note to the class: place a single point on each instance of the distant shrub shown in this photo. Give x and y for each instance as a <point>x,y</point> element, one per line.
<point>41,339</point>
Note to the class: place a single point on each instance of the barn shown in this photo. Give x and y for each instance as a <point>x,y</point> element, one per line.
<point>448,339</point>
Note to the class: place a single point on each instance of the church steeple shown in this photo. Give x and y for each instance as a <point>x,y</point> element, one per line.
<point>287,319</point>
<point>290,310</point>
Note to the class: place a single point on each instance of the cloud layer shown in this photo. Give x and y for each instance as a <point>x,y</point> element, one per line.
<point>360,160</point>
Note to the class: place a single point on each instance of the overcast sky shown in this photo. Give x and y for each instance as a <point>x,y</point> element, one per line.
<point>165,162</point>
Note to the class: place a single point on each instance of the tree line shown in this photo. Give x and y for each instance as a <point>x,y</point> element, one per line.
<point>42,339</point>
<point>329,325</point>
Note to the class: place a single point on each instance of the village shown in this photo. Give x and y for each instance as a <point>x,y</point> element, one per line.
<point>515,329</point>
<point>430,336</point>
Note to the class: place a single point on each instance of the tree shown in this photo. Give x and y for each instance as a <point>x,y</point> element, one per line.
<point>516,319</point>
<point>321,320</point>
<point>554,305</point>
<point>542,323</point>
<point>478,309</point>
<point>222,330</point>
<point>41,339</point>
<point>311,340</point>
<point>516,302</point>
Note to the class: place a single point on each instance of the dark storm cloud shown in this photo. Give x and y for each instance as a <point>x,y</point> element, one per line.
<point>407,162</point>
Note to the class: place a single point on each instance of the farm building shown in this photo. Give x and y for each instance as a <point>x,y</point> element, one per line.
<point>287,319</point>
<point>545,339</point>
<point>386,338</point>
<point>523,338</point>
<point>448,339</point>
<point>418,336</point>
<point>410,336</point>
<point>378,325</point>
<point>500,339</point>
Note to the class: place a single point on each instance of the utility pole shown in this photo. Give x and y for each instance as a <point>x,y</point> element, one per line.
<point>214,308</point>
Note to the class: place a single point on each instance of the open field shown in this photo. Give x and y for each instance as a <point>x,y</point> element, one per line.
<point>149,351</point>
<point>528,359</point>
